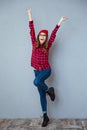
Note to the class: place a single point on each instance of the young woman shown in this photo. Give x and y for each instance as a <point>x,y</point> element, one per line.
<point>40,62</point>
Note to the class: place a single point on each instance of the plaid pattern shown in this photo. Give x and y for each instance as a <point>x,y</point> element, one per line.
<point>39,57</point>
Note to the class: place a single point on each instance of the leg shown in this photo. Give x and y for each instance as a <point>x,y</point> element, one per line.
<point>42,94</point>
<point>41,77</point>
<point>43,100</point>
<point>44,106</point>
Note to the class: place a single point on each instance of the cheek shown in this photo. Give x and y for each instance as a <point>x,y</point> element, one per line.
<point>44,38</point>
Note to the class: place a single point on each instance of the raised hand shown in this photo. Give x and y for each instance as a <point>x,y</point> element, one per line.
<point>29,11</point>
<point>63,18</point>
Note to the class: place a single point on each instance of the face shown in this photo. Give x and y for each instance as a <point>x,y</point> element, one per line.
<point>42,38</point>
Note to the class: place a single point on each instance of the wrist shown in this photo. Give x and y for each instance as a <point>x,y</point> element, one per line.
<point>60,21</point>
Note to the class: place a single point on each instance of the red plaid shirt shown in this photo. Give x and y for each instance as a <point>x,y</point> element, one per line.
<point>39,58</point>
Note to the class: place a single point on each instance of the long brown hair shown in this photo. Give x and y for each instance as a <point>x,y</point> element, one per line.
<point>45,45</point>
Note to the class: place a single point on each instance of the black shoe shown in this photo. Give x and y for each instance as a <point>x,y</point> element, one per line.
<point>51,93</point>
<point>45,120</point>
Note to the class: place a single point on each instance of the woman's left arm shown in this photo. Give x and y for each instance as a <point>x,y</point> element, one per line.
<point>53,34</point>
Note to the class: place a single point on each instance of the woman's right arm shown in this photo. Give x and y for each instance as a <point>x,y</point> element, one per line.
<point>31,26</point>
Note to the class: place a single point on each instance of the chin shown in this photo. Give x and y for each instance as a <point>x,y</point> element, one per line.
<point>41,43</point>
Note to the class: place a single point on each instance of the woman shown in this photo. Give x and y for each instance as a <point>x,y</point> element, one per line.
<point>40,62</point>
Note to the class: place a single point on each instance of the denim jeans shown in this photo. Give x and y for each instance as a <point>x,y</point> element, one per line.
<point>39,81</point>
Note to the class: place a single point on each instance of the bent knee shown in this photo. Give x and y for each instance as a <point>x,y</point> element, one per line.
<point>36,82</point>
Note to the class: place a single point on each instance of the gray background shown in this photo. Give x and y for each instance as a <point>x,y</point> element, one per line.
<point>19,98</point>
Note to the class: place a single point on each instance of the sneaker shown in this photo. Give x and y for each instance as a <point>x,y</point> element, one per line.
<point>45,120</point>
<point>51,93</point>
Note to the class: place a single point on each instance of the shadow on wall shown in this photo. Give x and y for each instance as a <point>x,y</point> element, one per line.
<point>51,81</point>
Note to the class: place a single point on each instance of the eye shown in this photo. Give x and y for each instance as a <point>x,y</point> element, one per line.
<point>42,35</point>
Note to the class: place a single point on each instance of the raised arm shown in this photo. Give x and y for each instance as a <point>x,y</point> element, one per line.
<point>31,26</point>
<point>53,34</point>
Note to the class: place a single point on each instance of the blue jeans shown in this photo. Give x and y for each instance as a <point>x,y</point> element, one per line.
<point>39,81</point>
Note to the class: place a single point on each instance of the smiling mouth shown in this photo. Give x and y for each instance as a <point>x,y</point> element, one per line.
<point>42,39</point>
